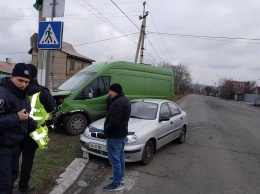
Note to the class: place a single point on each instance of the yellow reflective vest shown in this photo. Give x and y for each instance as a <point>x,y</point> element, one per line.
<point>40,115</point>
<point>40,135</point>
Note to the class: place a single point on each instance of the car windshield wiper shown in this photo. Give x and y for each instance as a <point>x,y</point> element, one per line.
<point>56,90</point>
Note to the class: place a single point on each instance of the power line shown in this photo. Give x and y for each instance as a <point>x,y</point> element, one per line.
<point>125,14</point>
<point>160,35</point>
<point>158,44</point>
<point>209,37</point>
<point>106,13</point>
<point>106,39</point>
<point>19,52</point>
<point>110,13</point>
<point>135,26</point>
<point>73,5</point>
<point>63,18</point>
<point>104,18</point>
<point>149,53</point>
<point>154,48</point>
<point>92,42</point>
<point>99,16</point>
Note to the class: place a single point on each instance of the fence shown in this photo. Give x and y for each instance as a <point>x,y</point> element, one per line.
<point>252,98</point>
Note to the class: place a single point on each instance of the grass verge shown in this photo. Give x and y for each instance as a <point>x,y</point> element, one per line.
<point>177,97</point>
<point>49,163</point>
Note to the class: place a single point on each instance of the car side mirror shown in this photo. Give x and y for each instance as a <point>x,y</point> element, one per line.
<point>164,118</point>
<point>89,93</point>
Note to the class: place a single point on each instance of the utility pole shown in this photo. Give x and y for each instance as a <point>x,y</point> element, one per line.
<point>142,36</point>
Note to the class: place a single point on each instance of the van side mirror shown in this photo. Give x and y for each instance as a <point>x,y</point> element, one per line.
<point>89,93</point>
<point>164,118</point>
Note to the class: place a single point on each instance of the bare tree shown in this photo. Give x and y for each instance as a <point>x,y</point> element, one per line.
<point>226,88</point>
<point>182,77</point>
<point>252,88</point>
<point>196,88</point>
<point>208,89</point>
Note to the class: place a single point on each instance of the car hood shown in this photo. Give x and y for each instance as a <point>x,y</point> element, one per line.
<point>134,124</point>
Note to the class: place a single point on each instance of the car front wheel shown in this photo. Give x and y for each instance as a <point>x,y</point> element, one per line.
<point>76,124</point>
<point>148,152</point>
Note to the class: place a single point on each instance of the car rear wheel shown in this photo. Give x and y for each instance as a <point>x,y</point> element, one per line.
<point>148,152</point>
<point>182,136</point>
<point>76,124</point>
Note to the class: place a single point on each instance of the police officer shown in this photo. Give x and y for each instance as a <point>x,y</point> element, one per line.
<point>42,103</point>
<point>14,121</point>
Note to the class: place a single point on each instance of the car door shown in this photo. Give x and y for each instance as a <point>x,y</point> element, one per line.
<point>176,118</point>
<point>166,128</point>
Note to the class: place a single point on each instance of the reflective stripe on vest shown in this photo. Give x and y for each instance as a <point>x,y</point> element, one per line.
<point>40,135</point>
<point>38,113</point>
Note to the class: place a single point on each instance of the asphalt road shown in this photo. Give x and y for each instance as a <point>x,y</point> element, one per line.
<point>221,155</point>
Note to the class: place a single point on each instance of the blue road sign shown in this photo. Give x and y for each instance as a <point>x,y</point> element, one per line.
<point>50,35</point>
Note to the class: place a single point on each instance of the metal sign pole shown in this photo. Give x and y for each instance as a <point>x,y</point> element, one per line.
<point>48,60</point>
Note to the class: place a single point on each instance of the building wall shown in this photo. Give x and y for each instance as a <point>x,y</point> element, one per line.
<point>34,59</point>
<point>60,67</point>
<point>74,65</point>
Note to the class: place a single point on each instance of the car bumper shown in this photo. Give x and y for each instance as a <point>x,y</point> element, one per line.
<point>133,153</point>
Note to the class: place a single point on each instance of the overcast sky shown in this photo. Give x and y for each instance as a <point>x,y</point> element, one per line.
<point>99,30</point>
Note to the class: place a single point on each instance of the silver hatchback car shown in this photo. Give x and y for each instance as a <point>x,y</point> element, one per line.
<point>152,124</point>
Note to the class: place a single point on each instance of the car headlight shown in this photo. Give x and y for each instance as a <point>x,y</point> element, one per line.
<point>132,138</point>
<point>87,133</point>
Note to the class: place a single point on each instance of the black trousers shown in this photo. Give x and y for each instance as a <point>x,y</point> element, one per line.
<point>27,150</point>
<point>9,168</point>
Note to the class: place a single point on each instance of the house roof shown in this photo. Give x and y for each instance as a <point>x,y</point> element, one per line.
<point>6,67</point>
<point>66,48</point>
<point>69,49</point>
<point>238,84</point>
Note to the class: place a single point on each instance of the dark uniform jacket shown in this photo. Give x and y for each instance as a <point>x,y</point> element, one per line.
<point>13,100</point>
<point>116,123</point>
<point>46,98</point>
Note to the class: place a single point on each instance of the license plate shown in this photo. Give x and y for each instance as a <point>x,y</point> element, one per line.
<point>98,147</point>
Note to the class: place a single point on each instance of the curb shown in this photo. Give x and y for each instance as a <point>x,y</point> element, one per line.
<point>71,174</point>
<point>179,101</point>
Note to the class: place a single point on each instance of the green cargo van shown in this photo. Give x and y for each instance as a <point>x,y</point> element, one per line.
<point>82,98</point>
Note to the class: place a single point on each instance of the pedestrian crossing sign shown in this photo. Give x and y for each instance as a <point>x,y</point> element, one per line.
<point>50,35</point>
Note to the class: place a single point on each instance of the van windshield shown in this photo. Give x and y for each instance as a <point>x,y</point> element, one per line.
<point>76,81</point>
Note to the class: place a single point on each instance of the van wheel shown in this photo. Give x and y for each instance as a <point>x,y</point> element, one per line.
<point>148,153</point>
<point>182,136</point>
<point>76,124</point>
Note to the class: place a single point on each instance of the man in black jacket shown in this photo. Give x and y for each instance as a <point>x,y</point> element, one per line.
<point>14,121</point>
<point>116,130</point>
<point>29,146</point>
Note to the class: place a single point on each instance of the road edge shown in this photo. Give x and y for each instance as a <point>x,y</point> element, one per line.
<point>71,174</point>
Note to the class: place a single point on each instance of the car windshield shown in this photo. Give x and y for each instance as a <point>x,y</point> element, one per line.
<point>76,81</point>
<point>143,110</point>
